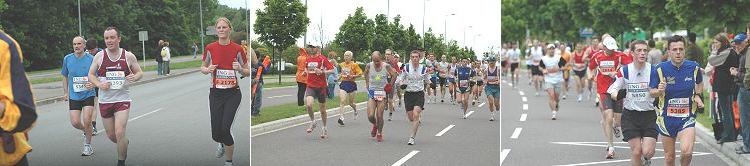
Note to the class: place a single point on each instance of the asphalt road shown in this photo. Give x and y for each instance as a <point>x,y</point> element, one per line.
<point>530,137</point>
<point>472,141</point>
<point>168,125</point>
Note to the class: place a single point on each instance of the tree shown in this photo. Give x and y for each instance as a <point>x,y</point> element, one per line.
<point>356,34</point>
<point>383,37</point>
<point>280,24</point>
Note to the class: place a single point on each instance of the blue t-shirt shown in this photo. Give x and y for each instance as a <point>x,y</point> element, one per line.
<point>464,74</point>
<point>681,82</point>
<point>77,71</point>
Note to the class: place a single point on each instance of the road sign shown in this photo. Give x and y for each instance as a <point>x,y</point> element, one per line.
<point>586,32</point>
<point>142,35</point>
<point>211,30</point>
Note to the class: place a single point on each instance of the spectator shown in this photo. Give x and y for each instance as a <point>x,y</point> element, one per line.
<point>17,109</point>
<point>655,55</point>
<point>722,58</point>
<point>694,53</point>
<point>158,58</point>
<point>195,50</point>
<point>257,81</point>
<point>166,55</point>
<point>743,96</point>
<point>333,78</point>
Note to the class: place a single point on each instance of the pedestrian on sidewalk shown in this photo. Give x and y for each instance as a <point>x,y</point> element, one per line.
<point>723,58</point>
<point>195,50</point>
<point>158,58</point>
<point>166,55</point>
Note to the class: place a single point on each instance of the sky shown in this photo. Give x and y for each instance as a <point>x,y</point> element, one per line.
<point>235,3</point>
<point>479,19</point>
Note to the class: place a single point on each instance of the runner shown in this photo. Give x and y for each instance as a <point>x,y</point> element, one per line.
<point>493,87</point>
<point>377,74</point>
<point>678,99</point>
<point>223,59</point>
<point>113,77</point>
<point>92,47</point>
<point>479,79</point>
<point>594,47</point>
<point>17,109</point>
<point>442,69</point>
<point>317,67</point>
<point>639,116</point>
<point>565,53</point>
<point>504,58</point>
<point>606,64</point>
<point>579,69</point>
<point>536,58</point>
<point>78,91</point>
<point>451,78</point>
<point>553,77</point>
<point>350,71</point>
<point>514,57</point>
<point>414,76</point>
<point>389,90</point>
<point>432,65</point>
<point>527,59</point>
<point>464,74</point>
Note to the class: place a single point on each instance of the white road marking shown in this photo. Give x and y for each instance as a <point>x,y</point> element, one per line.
<point>405,158</point>
<point>525,107</point>
<point>278,96</point>
<point>523,117</point>
<point>625,160</point>
<point>140,116</point>
<point>504,154</point>
<point>523,99</point>
<point>604,144</point>
<point>468,114</point>
<point>480,105</point>
<point>444,130</point>
<point>516,133</point>
<point>521,93</point>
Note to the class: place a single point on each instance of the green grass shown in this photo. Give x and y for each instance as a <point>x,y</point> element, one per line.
<point>276,84</point>
<point>268,114</point>
<point>704,118</point>
<point>173,66</point>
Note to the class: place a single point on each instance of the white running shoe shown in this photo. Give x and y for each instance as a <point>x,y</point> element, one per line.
<point>87,150</point>
<point>610,152</point>
<point>227,163</point>
<point>411,141</point>
<point>220,151</point>
<point>580,98</point>
<point>564,97</point>
<point>554,115</point>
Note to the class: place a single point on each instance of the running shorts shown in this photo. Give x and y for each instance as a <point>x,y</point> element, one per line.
<point>79,104</point>
<point>412,99</point>
<point>636,124</point>
<point>513,67</point>
<point>348,86</point>
<point>319,93</point>
<point>606,102</point>
<point>671,126</point>
<point>492,90</point>
<point>107,110</point>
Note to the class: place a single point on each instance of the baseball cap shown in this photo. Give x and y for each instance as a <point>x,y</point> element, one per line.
<point>550,45</point>
<point>610,43</point>
<point>739,37</point>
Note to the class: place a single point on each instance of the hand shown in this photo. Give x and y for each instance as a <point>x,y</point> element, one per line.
<point>211,68</point>
<point>613,95</point>
<point>130,78</point>
<point>697,99</point>
<point>733,71</point>
<point>661,87</point>
<point>318,71</point>
<point>104,86</point>
<point>89,85</point>
<point>236,66</point>
<point>65,97</point>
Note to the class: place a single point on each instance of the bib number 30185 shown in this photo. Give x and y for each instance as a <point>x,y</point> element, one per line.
<point>225,79</point>
<point>116,79</point>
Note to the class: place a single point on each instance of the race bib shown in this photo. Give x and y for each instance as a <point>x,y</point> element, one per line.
<point>491,78</point>
<point>225,79</point>
<point>637,91</point>
<point>116,79</point>
<point>463,83</point>
<point>678,107</point>
<point>79,84</point>
<point>379,95</point>
<point>311,66</point>
<point>607,67</point>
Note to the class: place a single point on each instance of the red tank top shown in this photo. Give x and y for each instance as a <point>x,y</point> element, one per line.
<point>121,64</point>
<point>578,57</point>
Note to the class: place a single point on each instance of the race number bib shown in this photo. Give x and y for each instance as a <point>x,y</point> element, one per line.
<point>678,107</point>
<point>79,84</point>
<point>463,83</point>
<point>637,91</point>
<point>379,95</point>
<point>607,67</point>
<point>311,66</point>
<point>116,79</point>
<point>225,79</point>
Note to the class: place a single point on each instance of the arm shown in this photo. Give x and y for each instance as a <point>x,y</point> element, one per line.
<point>366,73</point>
<point>135,70</point>
<point>64,74</point>
<point>617,85</point>
<point>92,72</point>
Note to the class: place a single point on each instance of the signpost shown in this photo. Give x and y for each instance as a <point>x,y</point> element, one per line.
<point>143,37</point>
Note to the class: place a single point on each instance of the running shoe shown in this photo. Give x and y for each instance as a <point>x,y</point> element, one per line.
<point>442,101</point>
<point>492,116</point>
<point>87,150</point>
<point>411,141</point>
<point>390,114</point>
<point>312,127</point>
<point>474,102</point>
<point>564,97</point>
<point>646,162</point>
<point>379,137</point>
<point>220,151</point>
<point>341,121</point>
<point>324,134</point>
<point>93,127</point>
<point>227,163</point>
<point>536,94</point>
<point>374,131</point>
<point>610,152</point>
<point>554,115</point>
<point>580,98</point>
<point>355,114</point>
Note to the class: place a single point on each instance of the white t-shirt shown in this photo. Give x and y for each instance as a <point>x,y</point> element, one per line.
<point>514,55</point>
<point>636,85</point>
<point>549,63</point>
<point>166,53</point>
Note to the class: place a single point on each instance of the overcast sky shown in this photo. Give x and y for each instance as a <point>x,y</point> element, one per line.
<point>235,3</point>
<point>482,15</point>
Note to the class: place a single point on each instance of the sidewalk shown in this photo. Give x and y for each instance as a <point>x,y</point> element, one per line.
<point>726,149</point>
<point>52,92</point>
<point>149,62</point>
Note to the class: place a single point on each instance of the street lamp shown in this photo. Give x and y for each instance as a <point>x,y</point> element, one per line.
<point>424,8</point>
<point>445,27</point>
<point>80,26</point>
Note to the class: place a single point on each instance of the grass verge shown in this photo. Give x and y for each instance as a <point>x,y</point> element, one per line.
<point>268,114</point>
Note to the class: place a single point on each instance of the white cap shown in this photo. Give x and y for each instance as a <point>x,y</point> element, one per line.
<point>610,43</point>
<point>550,46</point>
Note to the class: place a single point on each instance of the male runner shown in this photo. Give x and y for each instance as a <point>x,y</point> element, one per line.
<point>350,71</point>
<point>377,74</point>
<point>414,76</point>
<point>77,90</point>
<point>463,74</point>
<point>552,65</point>
<point>606,64</point>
